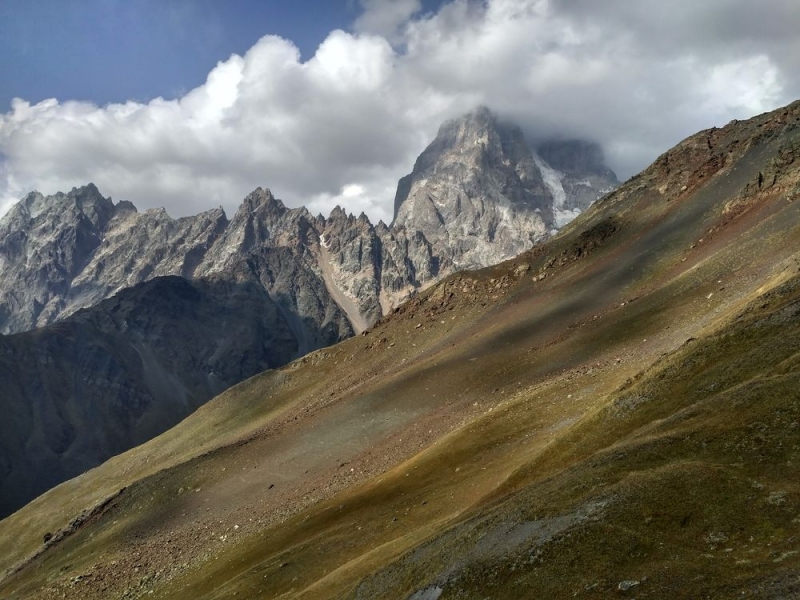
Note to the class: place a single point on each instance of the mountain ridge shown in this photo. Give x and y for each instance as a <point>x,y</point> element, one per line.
<point>114,246</point>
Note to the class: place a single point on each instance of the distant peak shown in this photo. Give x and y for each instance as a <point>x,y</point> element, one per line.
<point>214,213</point>
<point>31,198</point>
<point>125,206</point>
<point>340,214</point>
<point>87,192</point>
<point>478,118</point>
<point>261,198</point>
<point>262,193</point>
<point>89,198</point>
<point>481,113</point>
<point>575,156</point>
<point>338,211</point>
<point>27,207</point>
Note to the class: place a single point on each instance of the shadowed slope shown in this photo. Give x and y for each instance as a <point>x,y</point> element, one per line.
<point>115,375</point>
<point>541,427</point>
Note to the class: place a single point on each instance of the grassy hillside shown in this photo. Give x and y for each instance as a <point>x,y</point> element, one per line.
<point>614,412</point>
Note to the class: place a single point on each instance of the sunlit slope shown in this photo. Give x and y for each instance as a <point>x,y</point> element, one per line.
<point>543,425</point>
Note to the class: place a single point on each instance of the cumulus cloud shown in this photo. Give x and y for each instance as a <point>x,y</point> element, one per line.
<point>386,17</point>
<point>343,126</point>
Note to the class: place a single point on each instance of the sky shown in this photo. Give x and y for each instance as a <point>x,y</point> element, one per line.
<point>191,104</point>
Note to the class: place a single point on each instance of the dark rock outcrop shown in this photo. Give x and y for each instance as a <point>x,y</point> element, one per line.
<point>580,168</point>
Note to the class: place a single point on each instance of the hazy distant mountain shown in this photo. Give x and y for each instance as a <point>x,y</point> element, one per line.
<point>576,174</point>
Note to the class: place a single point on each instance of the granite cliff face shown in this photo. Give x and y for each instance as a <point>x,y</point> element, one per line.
<point>476,194</point>
<point>276,247</point>
<point>68,251</point>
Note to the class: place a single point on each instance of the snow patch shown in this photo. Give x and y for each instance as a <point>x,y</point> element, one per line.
<point>553,180</point>
<point>563,217</point>
<point>35,210</point>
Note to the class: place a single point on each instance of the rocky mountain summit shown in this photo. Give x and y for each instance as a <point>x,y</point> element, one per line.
<point>476,196</point>
<point>480,195</point>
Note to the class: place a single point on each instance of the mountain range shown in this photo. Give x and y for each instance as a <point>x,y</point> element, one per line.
<point>477,195</point>
<point>120,323</point>
<point>611,413</point>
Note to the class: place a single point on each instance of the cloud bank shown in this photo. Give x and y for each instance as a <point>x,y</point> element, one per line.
<point>343,126</point>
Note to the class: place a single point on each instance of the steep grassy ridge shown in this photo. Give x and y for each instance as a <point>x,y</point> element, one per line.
<point>615,410</point>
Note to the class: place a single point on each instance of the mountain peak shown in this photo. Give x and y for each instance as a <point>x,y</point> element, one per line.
<point>89,196</point>
<point>261,199</point>
<point>31,203</point>
<point>475,192</point>
<point>480,180</point>
<point>338,213</point>
<point>481,112</point>
<point>478,125</point>
<point>89,190</point>
<point>480,115</point>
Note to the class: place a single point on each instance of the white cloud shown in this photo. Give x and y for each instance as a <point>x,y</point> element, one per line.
<point>343,126</point>
<point>356,198</point>
<point>752,83</point>
<point>386,17</point>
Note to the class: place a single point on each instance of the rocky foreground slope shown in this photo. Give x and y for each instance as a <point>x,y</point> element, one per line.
<point>611,413</point>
